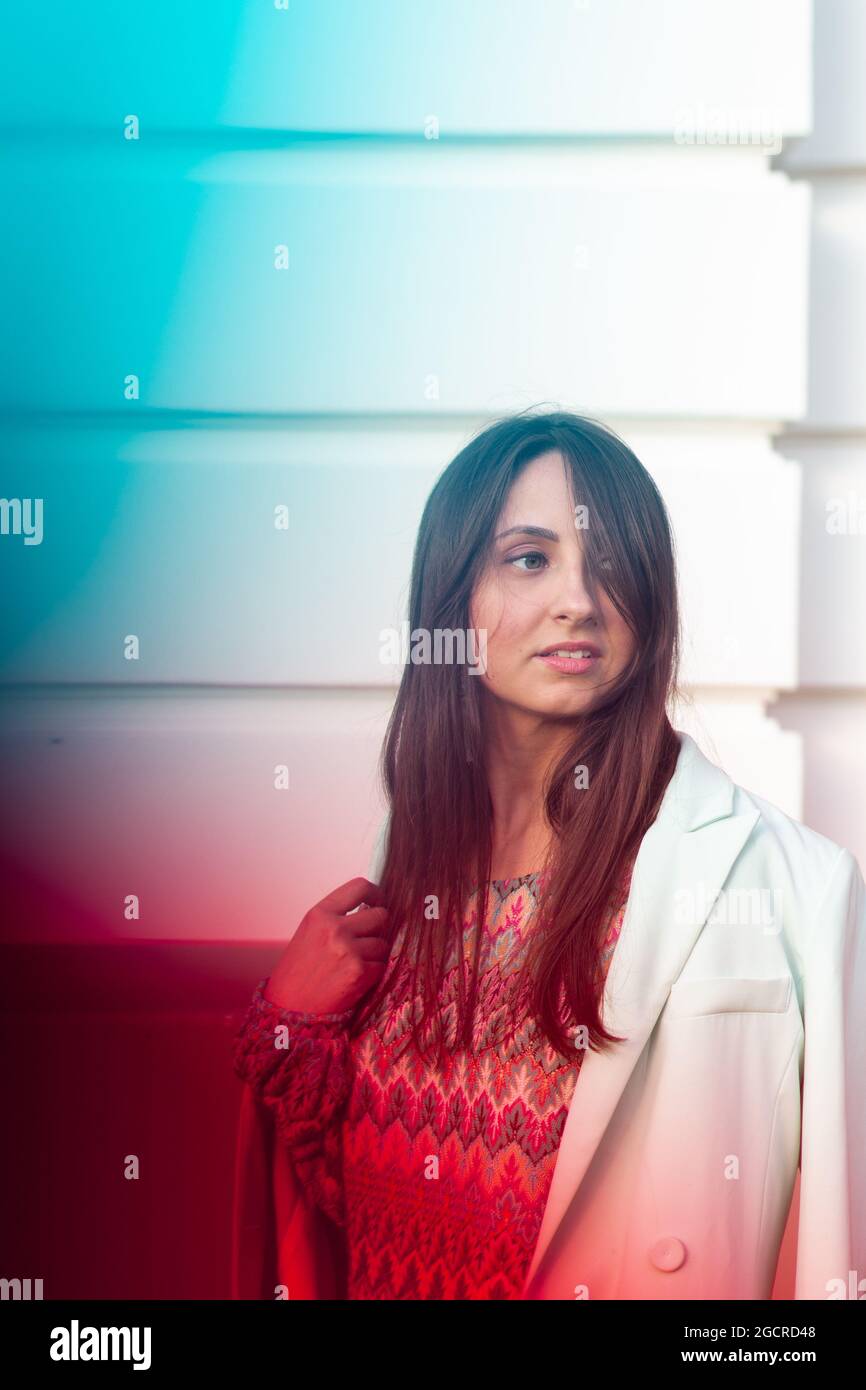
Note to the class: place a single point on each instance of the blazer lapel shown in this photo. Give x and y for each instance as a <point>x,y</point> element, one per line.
<point>688,850</point>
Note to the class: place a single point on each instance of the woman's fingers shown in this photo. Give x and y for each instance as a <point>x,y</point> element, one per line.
<point>352,894</point>
<point>367,921</point>
<point>372,948</point>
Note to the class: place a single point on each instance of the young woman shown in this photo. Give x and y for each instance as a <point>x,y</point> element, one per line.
<point>601,1001</point>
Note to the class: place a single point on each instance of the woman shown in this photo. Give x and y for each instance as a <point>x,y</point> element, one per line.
<point>557,1051</point>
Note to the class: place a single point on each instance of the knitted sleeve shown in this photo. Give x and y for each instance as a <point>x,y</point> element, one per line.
<point>299,1064</point>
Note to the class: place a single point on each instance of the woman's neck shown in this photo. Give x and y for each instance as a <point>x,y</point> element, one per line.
<point>518,756</point>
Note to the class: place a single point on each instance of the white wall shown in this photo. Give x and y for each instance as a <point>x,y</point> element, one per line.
<point>827,709</point>
<point>596,225</point>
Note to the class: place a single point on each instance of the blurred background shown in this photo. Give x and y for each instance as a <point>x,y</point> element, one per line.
<point>266,267</point>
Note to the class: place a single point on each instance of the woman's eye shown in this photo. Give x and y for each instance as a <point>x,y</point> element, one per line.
<point>605,563</point>
<point>530,555</point>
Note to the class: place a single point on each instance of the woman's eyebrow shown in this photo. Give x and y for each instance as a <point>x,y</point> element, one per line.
<point>541,531</point>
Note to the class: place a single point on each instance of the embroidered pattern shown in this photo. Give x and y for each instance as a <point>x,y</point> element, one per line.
<point>439,1177</point>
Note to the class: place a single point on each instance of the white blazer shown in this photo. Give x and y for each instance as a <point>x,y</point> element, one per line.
<point>739,982</point>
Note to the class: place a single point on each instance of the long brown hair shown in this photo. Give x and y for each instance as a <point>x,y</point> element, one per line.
<point>432,761</point>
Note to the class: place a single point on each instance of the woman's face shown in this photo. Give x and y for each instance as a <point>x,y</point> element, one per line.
<point>534,596</point>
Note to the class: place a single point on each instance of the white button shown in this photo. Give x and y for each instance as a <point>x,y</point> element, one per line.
<point>668,1253</point>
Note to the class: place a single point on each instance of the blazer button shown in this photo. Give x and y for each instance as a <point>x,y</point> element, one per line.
<point>668,1253</point>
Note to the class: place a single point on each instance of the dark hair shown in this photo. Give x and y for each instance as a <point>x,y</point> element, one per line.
<point>432,763</point>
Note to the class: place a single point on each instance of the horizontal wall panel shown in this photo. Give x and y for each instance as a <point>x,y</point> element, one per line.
<point>170,796</point>
<point>88,1089</point>
<point>125,976</point>
<point>837,304</point>
<point>830,725</point>
<point>734,505</point>
<point>410,286</point>
<point>174,800</point>
<point>169,537</point>
<point>833,594</point>
<point>491,66</point>
<point>736,732</point>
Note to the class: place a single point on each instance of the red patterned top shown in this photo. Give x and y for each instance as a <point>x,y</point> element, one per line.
<point>439,1178</point>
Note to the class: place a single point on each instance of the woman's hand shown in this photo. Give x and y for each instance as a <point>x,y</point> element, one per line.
<point>336,955</point>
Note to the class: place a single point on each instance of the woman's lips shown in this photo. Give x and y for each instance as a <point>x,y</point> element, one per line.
<point>569,665</point>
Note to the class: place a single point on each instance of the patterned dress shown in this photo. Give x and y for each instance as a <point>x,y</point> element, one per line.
<point>439,1177</point>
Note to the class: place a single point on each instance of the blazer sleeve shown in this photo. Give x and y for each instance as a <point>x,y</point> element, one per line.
<point>831,1239</point>
<point>299,1066</point>
<point>280,1245</point>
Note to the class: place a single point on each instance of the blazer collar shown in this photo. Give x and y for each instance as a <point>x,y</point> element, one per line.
<point>699,792</point>
<point>691,845</point>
